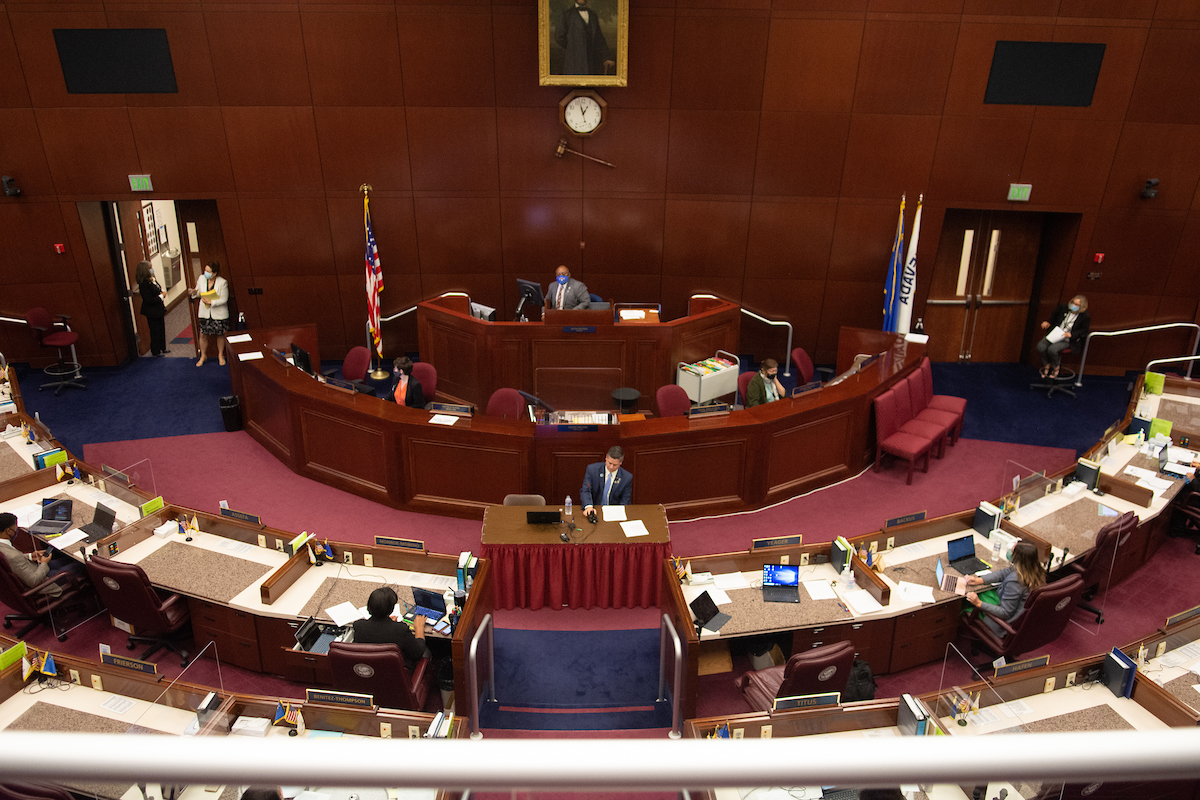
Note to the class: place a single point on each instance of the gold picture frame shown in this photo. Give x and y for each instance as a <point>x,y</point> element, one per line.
<point>560,48</point>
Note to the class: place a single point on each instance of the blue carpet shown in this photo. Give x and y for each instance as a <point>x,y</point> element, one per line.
<point>576,680</point>
<point>147,398</point>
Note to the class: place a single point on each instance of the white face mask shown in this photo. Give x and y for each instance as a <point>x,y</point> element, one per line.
<point>208,273</point>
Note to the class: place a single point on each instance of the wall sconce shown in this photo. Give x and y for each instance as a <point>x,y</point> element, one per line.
<point>10,186</point>
<point>1151,190</point>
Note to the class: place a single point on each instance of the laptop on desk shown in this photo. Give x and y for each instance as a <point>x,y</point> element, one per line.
<point>315,637</point>
<point>949,583</point>
<point>961,555</point>
<point>101,524</point>
<point>543,517</point>
<point>56,518</point>
<point>707,615</point>
<point>430,605</point>
<point>780,584</point>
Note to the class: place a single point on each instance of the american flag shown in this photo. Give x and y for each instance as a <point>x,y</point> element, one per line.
<point>374,279</point>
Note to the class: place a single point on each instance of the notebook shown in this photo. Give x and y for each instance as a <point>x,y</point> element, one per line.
<point>961,555</point>
<point>56,518</point>
<point>780,584</point>
<point>430,605</point>
<point>707,615</point>
<point>101,524</point>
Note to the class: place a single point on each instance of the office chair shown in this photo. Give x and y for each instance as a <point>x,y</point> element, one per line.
<point>378,670</point>
<point>815,671</point>
<point>594,298</point>
<point>1060,383</point>
<point>1185,519</point>
<point>946,420</point>
<point>354,369</point>
<point>744,384</point>
<point>1096,564</point>
<point>33,791</point>
<point>31,605</point>
<point>890,439</point>
<point>524,500</point>
<point>506,403</point>
<point>129,596</point>
<point>672,401</point>
<point>942,402</point>
<point>804,366</point>
<point>48,333</point>
<point>426,373</point>
<point>1048,609</point>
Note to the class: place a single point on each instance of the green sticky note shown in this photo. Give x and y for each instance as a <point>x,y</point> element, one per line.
<point>150,506</point>
<point>1154,382</point>
<point>1159,425</point>
<point>12,655</point>
<point>56,458</point>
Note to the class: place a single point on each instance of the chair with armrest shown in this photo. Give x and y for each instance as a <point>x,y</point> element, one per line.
<point>815,671</point>
<point>1185,519</point>
<point>30,605</point>
<point>49,333</point>
<point>129,596</point>
<point>1096,564</point>
<point>506,403</point>
<point>354,369</point>
<point>524,500</point>
<point>743,381</point>
<point>672,401</point>
<point>378,670</point>
<point>1048,609</point>
<point>891,440</point>
<point>594,298</point>
<point>426,374</point>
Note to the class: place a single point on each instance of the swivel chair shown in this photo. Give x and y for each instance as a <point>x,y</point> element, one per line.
<point>354,369</point>
<point>819,670</point>
<point>506,403</point>
<point>64,374</point>
<point>426,373</point>
<point>1096,564</point>
<point>378,670</point>
<point>672,401</point>
<point>1048,609</point>
<point>30,605</point>
<point>128,595</point>
<point>743,381</point>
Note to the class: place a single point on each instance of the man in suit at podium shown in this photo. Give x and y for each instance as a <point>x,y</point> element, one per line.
<point>566,293</point>
<point>606,484</point>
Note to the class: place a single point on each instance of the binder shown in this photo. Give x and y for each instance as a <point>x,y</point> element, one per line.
<point>472,568</point>
<point>1088,472</point>
<point>1118,673</point>
<point>987,519</point>
<point>839,553</point>
<point>911,718</point>
<point>463,558</point>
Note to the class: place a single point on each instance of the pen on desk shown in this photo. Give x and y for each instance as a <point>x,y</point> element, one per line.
<point>844,607</point>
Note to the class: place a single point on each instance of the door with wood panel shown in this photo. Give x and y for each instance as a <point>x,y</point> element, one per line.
<point>983,280</point>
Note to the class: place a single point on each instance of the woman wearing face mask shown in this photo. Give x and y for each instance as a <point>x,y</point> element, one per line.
<point>213,292</point>
<point>1072,320</point>
<point>765,386</point>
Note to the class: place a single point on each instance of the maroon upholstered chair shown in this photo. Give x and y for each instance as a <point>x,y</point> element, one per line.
<point>921,410</point>
<point>378,669</point>
<point>506,403</point>
<point>426,374</point>
<point>891,440</point>
<point>815,671</point>
<point>66,374</point>
<point>1096,564</point>
<point>30,605</point>
<point>942,402</point>
<point>938,431</point>
<point>1047,611</point>
<point>128,595</point>
<point>804,366</point>
<point>672,401</point>
<point>354,369</point>
<point>744,384</point>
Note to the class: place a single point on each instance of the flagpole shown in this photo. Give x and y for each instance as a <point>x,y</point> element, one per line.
<point>372,255</point>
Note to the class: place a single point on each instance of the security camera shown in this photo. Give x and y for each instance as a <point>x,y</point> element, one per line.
<point>1151,190</point>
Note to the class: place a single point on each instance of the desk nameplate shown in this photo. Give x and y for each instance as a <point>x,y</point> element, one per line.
<point>349,699</point>
<point>778,541</point>
<point>1183,616</point>
<point>918,516</point>
<point>254,519</point>
<point>806,701</point>
<point>403,544</point>
<point>1022,666</point>
<point>132,664</point>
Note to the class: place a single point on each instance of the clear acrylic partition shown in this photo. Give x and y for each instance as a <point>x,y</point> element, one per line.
<point>1070,525</point>
<point>139,474</point>
<point>968,703</point>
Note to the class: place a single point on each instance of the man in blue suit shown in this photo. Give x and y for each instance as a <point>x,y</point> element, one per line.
<point>606,484</point>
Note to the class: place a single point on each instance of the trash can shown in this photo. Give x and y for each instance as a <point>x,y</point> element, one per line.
<point>231,412</point>
<point>445,679</point>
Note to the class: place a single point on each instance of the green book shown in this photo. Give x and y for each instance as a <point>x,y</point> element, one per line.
<point>1159,425</point>
<point>1154,382</point>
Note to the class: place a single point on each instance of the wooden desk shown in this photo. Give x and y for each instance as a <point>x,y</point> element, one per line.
<point>598,568</point>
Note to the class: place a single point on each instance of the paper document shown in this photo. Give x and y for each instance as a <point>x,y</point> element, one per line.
<point>343,613</point>
<point>914,549</point>
<point>731,580</point>
<point>860,602</point>
<point>819,590</point>
<point>1155,485</point>
<point>984,716</point>
<point>1104,511</point>
<point>68,539</point>
<point>1173,659</point>
<point>1055,334</point>
<point>916,592</point>
<point>632,313</point>
<point>234,546</point>
<point>253,355</point>
<point>1016,707</point>
<point>1180,470</point>
<point>1181,455</point>
<point>118,704</point>
<point>690,593</point>
<point>443,419</point>
<point>634,527</point>
<point>613,513</point>
<point>1074,488</point>
<point>238,338</point>
<point>1190,650</point>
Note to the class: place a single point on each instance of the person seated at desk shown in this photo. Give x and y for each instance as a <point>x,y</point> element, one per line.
<point>262,793</point>
<point>1073,320</point>
<point>1016,582</point>
<point>765,386</point>
<point>382,628</point>
<point>406,390</point>
<point>606,484</point>
<point>33,568</point>
<point>566,293</point>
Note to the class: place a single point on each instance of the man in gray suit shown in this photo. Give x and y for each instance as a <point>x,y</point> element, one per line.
<point>30,569</point>
<point>566,293</point>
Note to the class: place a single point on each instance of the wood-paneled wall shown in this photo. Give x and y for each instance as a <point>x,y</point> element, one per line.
<point>761,148</point>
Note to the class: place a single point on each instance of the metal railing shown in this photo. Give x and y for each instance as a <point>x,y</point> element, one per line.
<point>785,363</point>
<point>668,636</point>
<point>1128,331</point>
<point>1177,360</point>
<point>485,627</point>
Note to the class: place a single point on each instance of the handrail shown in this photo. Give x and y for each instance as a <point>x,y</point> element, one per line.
<point>786,365</point>
<point>473,671</point>
<point>13,319</point>
<point>1146,329</point>
<point>666,631</point>
<point>411,309</point>
<point>1190,359</point>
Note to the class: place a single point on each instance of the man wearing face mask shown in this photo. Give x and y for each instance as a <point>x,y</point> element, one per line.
<point>1067,327</point>
<point>765,386</point>
<point>566,293</point>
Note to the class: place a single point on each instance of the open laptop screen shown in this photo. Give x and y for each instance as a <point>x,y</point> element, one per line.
<point>780,575</point>
<point>961,548</point>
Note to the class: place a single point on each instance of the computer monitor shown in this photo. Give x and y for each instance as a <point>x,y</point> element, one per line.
<point>301,359</point>
<point>485,313</point>
<point>531,293</point>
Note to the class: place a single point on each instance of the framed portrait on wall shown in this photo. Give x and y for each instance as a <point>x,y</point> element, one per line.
<point>583,42</point>
<point>149,230</point>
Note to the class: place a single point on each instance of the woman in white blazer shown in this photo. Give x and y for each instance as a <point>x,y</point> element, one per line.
<point>213,292</point>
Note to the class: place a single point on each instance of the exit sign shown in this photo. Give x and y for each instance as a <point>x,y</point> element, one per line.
<point>140,183</point>
<point>1017,192</point>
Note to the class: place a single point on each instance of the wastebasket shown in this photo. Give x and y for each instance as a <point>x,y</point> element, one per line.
<point>231,412</point>
<point>445,679</point>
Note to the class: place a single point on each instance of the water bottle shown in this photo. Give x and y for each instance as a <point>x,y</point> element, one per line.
<point>920,326</point>
<point>995,548</point>
<point>851,581</point>
<point>567,505</point>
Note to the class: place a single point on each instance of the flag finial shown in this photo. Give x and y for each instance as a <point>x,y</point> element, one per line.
<point>366,187</point>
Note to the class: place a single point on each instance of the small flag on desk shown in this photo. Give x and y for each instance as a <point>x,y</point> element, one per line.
<point>59,472</point>
<point>286,713</point>
<point>75,470</point>
<point>194,524</point>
